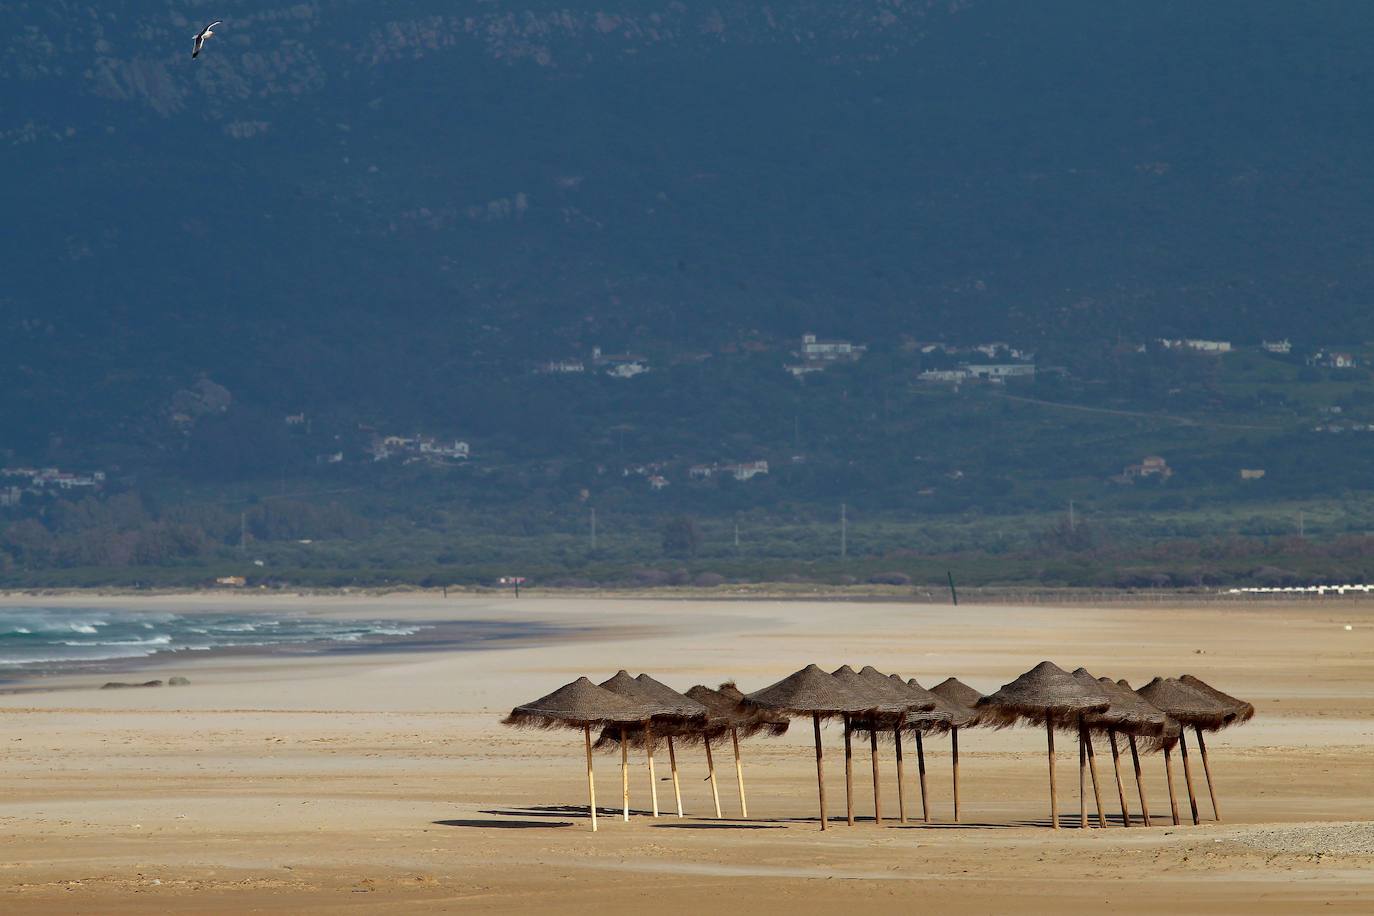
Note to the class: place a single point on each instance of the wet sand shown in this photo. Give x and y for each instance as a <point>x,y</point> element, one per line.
<point>383,782</point>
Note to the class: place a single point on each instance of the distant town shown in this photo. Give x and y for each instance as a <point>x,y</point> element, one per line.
<point>16,482</point>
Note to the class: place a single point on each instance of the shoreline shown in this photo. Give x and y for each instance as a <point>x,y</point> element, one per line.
<point>430,637</point>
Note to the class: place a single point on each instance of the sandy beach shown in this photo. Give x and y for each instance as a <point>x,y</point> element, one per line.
<point>384,782</point>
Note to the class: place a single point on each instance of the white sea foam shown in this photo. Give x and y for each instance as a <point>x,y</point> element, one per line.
<point>46,636</point>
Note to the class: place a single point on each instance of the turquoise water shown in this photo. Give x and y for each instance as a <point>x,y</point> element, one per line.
<point>46,637</point>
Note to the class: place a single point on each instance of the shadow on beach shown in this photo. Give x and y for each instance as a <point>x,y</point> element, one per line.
<point>502,825</point>
<point>720,825</point>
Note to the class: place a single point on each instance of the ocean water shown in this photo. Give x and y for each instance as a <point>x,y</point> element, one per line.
<point>45,637</point>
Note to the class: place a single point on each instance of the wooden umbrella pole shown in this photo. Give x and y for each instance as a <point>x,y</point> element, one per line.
<point>591,782</point>
<point>1120,788</point>
<point>1188,775</point>
<point>820,766</point>
<point>1097,791</point>
<point>954,752</point>
<point>672,767</point>
<point>625,773</point>
<point>848,774</point>
<point>1169,777</point>
<point>921,772</point>
<point>1082,777</point>
<point>873,753</point>
<point>901,775</point>
<point>1054,793</point>
<point>653,779</point>
<point>739,773</point>
<point>711,774</point>
<point>1207,770</point>
<point>1139,783</point>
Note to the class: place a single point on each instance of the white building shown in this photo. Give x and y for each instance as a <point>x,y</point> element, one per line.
<point>800,369</point>
<point>563,367</point>
<point>456,449</point>
<point>1278,346</point>
<point>999,371</point>
<point>628,369</point>
<point>745,470</point>
<point>944,376</point>
<point>815,349</point>
<point>1334,359</point>
<point>1197,346</point>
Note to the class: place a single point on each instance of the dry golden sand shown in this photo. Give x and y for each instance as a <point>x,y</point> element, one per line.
<point>384,783</point>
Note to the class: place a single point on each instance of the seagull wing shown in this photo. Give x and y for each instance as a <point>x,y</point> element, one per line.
<point>213,24</point>
<point>195,52</point>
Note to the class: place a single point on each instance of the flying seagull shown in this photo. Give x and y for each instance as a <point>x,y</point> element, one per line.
<point>204,34</point>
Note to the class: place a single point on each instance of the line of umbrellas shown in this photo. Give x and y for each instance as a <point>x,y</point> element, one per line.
<point>640,711</point>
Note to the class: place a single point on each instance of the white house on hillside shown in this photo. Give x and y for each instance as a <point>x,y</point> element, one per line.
<point>1197,346</point>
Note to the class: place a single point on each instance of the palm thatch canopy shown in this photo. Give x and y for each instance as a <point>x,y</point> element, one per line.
<point>682,705</point>
<point>880,697</point>
<point>920,709</point>
<point>723,713</point>
<point>650,704</point>
<point>809,691</point>
<point>956,691</point>
<point>913,699</point>
<point>1169,732</point>
<point>946,716</point>
<point>574,705</point>
<point>728,689</point>
<point>941,717</point>
<point>1244,711</point>
<point>1046,693</point>
<point>1129,713</point>
<point>725,709</point>
<point>678,715</point>
<point>1186,705</point>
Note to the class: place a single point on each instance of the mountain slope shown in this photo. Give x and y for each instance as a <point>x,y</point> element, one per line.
<point>427,190</point>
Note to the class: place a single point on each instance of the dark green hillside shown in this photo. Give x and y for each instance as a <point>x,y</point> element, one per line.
<point>386,217</point>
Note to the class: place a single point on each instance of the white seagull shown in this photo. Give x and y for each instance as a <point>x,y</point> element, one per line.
<point>204,34</point>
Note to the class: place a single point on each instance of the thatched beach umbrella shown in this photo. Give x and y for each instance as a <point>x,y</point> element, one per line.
<point>1243,712</point>
<point>886,708</point>
<point>1135,754</point>
<point>925,712</point>
<point>1087,758</point>
<point>654,711</point>
<point>1164,740</point>
<point>1187,707</point>
<point>812,692</point>
<point>688,715</point>
<point>1045,694</point>
<point>726,715</point>
<point>942,716</point>
<point>916,704</point>
<point>580,704</point>
<point>762,722</point>
<point>1130,715</point>
<point>962,697</point>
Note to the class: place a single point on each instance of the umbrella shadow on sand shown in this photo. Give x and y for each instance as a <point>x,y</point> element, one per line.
<point>579,811</point>
<point>719,826</point>
<point>962,825</point>
<point>502,824</point>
